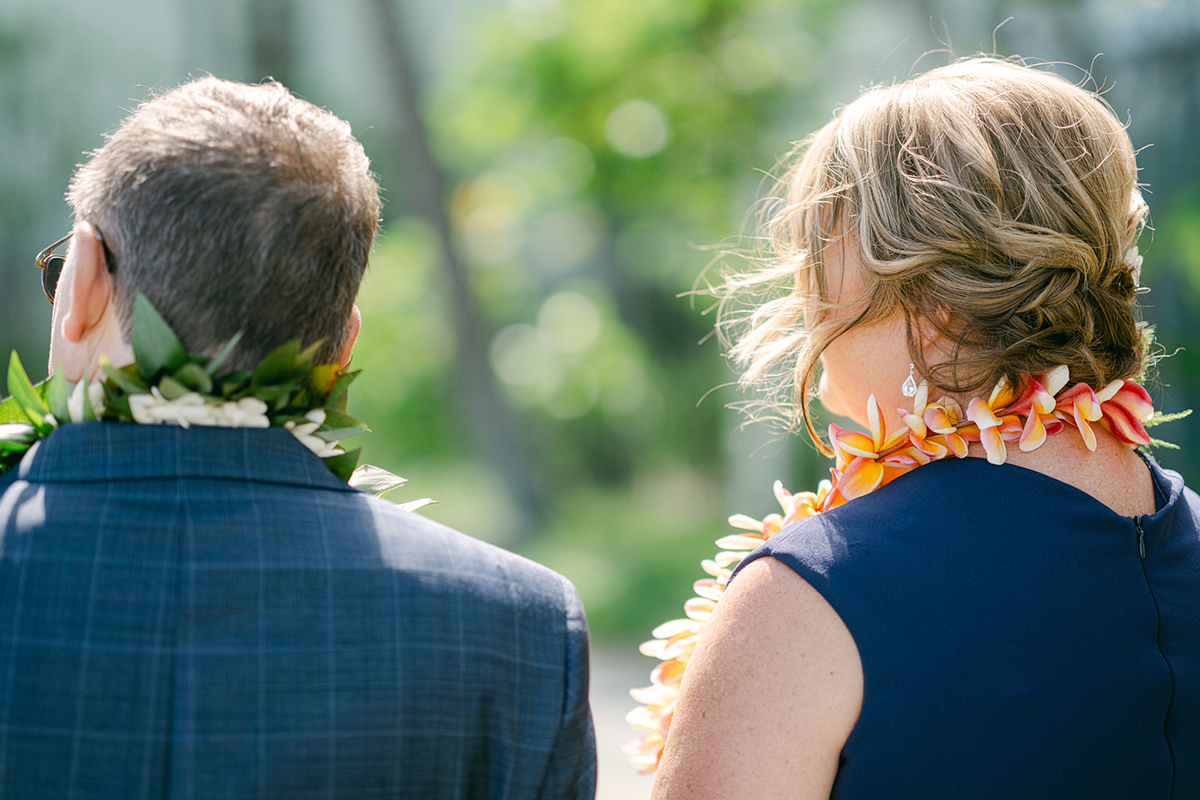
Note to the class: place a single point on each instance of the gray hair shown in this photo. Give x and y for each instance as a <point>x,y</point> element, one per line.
<point>235,208</point>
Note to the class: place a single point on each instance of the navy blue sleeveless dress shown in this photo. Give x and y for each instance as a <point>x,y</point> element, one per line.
<point>1018,638</point>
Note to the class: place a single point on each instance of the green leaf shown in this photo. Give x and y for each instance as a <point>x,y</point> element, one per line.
<point>274,396</point>
<point>1159,443</point>
<point>278,366</point>
<point>116,406</point>
<point>340,426</point>
<point>343,465</point>
<point>374,480</point>
<point>215,364</point>
<point>320,380</point>
<point>56,396</point>
<point>11,411</point>
<point>172,388</point>
<point>193,376</point>
<point>30,401</point>
<point>11,456</point>
<point>126,377</point>
<point>336,401</point>
<point>234,384</point>
<point>155,345</point>
<point>89,413</point>
<point>8,461</point>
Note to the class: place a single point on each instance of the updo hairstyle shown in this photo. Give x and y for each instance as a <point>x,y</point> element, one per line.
<point>989,202</point>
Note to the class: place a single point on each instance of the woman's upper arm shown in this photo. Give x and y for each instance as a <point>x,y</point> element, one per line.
<point>770,695</point>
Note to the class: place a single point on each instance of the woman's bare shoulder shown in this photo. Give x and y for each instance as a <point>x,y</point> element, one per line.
<point>771,694</point>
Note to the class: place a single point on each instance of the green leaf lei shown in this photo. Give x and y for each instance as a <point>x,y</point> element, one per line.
<point>167,384</point>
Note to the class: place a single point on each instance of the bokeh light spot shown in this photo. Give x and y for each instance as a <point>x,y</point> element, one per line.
<point>748,63</point>
<point>569,322</point>
<point>522,359</point>
<point>637,129</point>
<point>492,232</point>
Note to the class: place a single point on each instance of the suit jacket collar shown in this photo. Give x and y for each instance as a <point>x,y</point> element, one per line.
<point>107,451</point>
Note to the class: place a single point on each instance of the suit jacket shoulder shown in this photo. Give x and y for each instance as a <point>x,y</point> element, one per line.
<point>411,542</point>
<point>210,613</point>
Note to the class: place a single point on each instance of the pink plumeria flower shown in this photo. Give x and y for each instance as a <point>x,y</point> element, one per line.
<point>1124,406</point>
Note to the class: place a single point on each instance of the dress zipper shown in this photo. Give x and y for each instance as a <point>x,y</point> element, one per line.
<point>1137,522</point>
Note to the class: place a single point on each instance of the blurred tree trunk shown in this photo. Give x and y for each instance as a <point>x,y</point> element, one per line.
<point>495,428</point>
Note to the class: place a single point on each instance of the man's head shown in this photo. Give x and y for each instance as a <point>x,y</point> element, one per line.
<point>231,208</point>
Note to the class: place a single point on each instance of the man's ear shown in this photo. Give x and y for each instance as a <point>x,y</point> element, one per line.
<point>351,336</point>
<point>91,285</point>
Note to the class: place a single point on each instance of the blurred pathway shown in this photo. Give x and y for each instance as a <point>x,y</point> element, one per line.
<point>616,670</point>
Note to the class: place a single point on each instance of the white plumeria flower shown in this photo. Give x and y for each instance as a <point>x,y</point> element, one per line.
<point>304,433</point>
<point>322,448</point>
<point>253,408</point>
<point>139,406</point>
<point>96,397</point>
<point>186,410</point>
<point>189,407</point>
<point>192,407</point>
<point>230,414</point>
<point>75,400</point>
<point>331,449</point>
<point>249,412</point>
<point>164,410</point>
<point>306,428</point>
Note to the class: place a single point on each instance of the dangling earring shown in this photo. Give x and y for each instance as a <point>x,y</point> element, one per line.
<point>909,387</point>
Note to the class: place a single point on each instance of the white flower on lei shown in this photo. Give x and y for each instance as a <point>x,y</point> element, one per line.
<point>304,432</point>
<point>249,412</point>
<point>192,409</point>
<point>75,400</point>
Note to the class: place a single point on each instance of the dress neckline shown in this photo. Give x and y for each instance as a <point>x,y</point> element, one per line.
<point>1168,485</point>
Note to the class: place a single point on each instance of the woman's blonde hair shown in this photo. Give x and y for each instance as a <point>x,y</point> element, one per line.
<point>989,202</point>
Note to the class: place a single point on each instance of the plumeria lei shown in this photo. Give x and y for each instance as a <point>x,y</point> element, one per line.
<point>932,431</point>
<point>168,385</point>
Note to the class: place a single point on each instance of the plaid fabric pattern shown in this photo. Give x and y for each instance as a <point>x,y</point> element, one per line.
<point>211,614</point>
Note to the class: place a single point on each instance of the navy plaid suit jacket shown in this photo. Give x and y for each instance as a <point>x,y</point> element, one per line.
<point>211,614</point>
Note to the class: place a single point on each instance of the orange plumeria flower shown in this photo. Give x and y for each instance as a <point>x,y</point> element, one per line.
<point>865,463</point>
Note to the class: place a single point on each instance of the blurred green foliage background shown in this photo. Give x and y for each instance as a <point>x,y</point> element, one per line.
<point>558,176</point>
